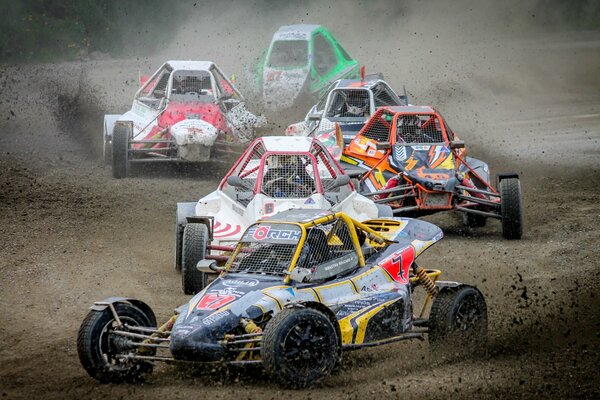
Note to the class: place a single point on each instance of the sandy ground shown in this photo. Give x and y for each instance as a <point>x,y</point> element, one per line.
<point>70,234</point>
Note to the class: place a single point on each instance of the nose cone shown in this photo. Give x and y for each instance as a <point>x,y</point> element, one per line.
<point>197,338</point>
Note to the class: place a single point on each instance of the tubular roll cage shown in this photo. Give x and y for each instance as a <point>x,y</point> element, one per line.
<point>351,223</point>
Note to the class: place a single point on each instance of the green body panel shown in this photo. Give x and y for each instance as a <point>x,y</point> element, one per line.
<point>345,68</point>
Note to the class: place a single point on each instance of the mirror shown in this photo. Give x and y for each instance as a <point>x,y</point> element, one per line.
<point>300,275</point>
<point>235,181</point>
<point>208,266</point>
<point>457,144</point>
<point>342,180</point>
<point>314,116</point>
<point>383,146</point>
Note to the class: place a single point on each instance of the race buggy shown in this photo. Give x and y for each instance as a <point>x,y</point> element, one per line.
<point>187,111</point>
<point>349,104</point>
<point>274,174</point>
<point>300,64</point>
<point>299,289</point>
<point>409,158</point>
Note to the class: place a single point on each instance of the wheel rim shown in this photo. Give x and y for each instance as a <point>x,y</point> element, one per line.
<point>305,346</point>
<point>469,314</point>
<point>106,344</point>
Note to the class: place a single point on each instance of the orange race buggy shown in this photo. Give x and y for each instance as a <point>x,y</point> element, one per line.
<point>409,158</point>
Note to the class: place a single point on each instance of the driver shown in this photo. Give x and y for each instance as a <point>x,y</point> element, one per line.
<point>287,177</point>
<point>315,250</point>
<point>356,104</point>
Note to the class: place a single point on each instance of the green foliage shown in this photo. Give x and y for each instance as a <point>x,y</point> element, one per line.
<point>50,30</point>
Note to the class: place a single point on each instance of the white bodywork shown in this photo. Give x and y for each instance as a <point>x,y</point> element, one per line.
<point>193,136</point>
<point>231,217</point>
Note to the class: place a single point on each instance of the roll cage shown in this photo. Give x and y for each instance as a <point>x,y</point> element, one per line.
<point>342,231</point>
<point>159,88</point>
<point>253,168</point>
<point>389,125</point>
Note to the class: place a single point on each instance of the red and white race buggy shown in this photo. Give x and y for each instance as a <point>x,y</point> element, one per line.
<point>275,174</point>
<point>186,111</point>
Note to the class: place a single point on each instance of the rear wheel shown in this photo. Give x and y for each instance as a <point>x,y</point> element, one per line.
<point>178,244</point>
<point>300,347</point>
<point>195,237</point>
<point>458,320</point>
<point>100,350</point>
<point>120,150</point>
<point>511,203</point>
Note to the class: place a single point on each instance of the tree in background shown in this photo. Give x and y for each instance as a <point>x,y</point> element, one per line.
<point>49,30</point>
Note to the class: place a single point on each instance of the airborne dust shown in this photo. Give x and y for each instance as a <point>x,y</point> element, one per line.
<point>519,81</point>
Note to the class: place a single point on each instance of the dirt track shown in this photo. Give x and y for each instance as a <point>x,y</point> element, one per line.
<point>70,234</point>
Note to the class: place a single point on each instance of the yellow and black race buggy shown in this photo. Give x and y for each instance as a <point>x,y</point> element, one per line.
<point>299,288</point>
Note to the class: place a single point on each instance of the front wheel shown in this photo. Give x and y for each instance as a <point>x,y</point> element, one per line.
<point>100,351</point>
<point>120,150</point>
<point>300,347</point>
<point>195,237</point>
<point>458,320</point>
<point>511,205</point>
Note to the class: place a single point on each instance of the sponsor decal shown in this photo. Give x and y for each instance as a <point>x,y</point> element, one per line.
<point>309,201</point>
<point>211,319</point>
<point>269,208</point>
<point>398,263</point>
<point>239,282</point>
<point>268,232</point>
<point>225,230</point>
<point>212,301</point>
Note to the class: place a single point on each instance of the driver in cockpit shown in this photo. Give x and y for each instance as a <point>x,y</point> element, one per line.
<point>287,177</point>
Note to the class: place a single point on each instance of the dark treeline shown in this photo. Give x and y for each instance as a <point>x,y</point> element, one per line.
<point>49,30</point>
<point>52,30</point>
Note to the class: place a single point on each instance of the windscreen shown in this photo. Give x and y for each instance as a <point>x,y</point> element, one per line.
<point>266,248</point>
<point>289,54</point>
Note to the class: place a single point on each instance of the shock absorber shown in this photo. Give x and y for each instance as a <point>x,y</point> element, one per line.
<point>425,280</point>
<point>249,326</point>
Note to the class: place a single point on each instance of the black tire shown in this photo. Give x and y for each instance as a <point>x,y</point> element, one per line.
<point>97,350</point>
<point>384,211</point>
<point>473,220</point>
<point>178,244</point>
<point>300,347</point>
<point>458,321</point>
<point>511,204</point>
<point>106,147</point>
<point>195,237</point>
<point>120,151</point>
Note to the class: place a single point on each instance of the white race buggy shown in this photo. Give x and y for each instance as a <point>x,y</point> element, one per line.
<point>274,174</point>
<point>186,111</point>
